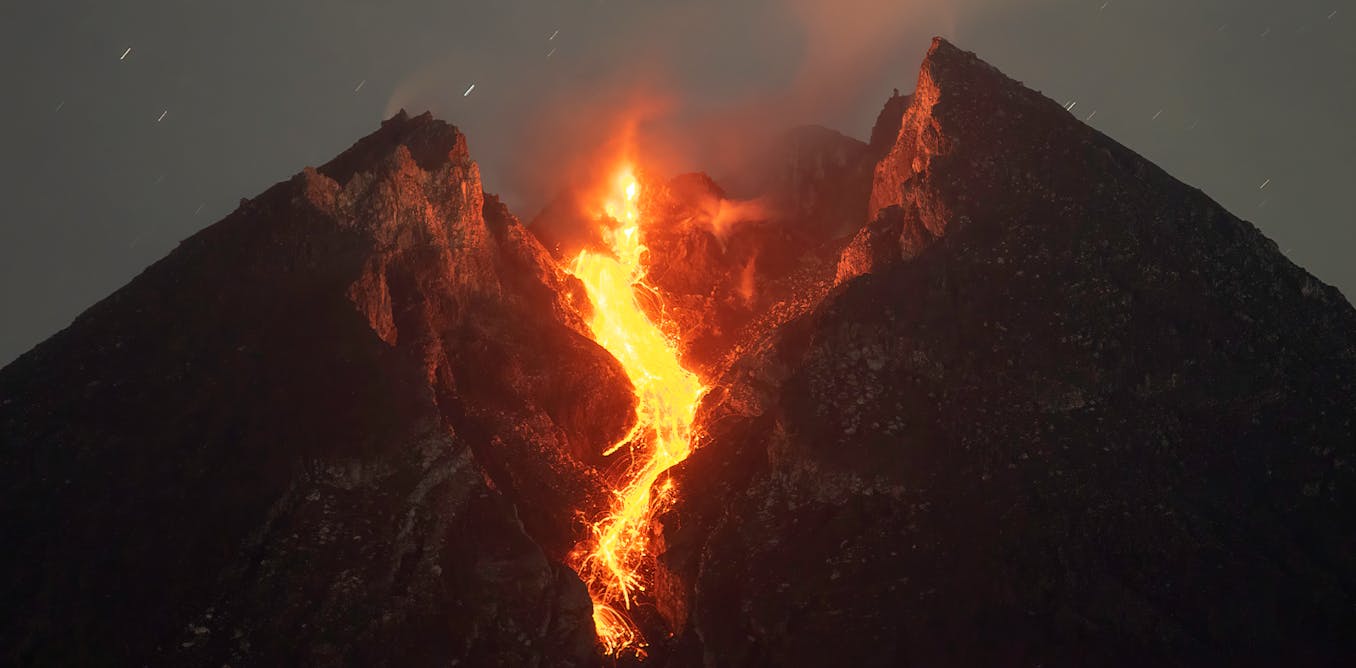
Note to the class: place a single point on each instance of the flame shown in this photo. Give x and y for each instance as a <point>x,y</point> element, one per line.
<point>612,560</point>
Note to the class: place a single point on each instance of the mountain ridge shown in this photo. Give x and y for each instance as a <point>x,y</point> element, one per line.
<point>1021,397</point>
<point>1088,417</point>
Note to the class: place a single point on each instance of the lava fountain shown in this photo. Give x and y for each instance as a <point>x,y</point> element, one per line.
<point>611,562</point>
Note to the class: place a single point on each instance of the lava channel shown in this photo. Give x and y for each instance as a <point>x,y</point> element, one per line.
<point>611,562</point>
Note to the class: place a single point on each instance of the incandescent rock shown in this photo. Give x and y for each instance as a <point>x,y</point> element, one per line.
<point>724,269</point>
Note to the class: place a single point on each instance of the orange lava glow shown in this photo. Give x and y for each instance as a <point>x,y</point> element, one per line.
<point>612,561</point>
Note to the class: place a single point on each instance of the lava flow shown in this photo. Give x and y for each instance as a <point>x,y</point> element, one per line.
<point>612,560</point>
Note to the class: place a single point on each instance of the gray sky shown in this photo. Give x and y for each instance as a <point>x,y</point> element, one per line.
<point>108,161</point>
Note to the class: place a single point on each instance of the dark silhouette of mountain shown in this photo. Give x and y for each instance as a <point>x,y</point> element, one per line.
<point>1061,410</point>
<point>317,432</point>
<point>988,389</point>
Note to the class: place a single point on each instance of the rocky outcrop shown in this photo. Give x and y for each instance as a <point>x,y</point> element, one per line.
<point>885,131</point>
<point>920,139</point>
<point>1088,418</point>
<point>348,424</point>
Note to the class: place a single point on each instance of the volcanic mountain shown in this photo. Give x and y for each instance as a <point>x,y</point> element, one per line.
<point>988,389</point>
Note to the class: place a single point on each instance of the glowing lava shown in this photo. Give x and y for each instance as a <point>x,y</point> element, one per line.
<point>611,563</point>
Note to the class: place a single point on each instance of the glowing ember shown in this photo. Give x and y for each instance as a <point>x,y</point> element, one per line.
<point>667,394</point>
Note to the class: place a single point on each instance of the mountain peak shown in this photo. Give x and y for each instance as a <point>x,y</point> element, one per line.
<point>431,143</point>
<point>948,65</point>
<point>1047,364</point>
<point>323,345</point>
<point>942,50</point>
<point>960,98</point>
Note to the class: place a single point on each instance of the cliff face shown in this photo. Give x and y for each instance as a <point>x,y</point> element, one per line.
<point>1068,411</point>
<point>348,423</point>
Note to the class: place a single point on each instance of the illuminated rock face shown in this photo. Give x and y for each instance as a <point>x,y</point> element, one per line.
<point>349,423</point>
<point>1088,418</point>
<point>990,389</point>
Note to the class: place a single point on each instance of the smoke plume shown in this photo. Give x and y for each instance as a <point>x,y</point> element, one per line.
<point>695,85</point>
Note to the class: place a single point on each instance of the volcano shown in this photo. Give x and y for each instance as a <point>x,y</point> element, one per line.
<point>986,389</point>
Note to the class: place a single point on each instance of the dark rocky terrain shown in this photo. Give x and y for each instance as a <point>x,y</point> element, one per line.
<point>1075,414</point>
<point>348,424</point>
<point>989,389</point>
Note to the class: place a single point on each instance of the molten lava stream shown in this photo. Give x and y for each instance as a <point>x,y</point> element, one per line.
<point>610,562</point>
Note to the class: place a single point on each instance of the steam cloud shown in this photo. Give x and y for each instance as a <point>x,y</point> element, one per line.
<point>695,85</point>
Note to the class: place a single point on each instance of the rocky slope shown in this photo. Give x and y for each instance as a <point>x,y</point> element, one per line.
<point>348,424</point>
<point>1061,410</point>
<point>990,389</point>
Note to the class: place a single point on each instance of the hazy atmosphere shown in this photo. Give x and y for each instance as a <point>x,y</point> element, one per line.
<point>129,126</point>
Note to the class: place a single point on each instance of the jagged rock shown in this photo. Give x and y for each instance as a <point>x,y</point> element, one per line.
<point>1090,418</point>
<point>885,132</point>
<point>348,424</point>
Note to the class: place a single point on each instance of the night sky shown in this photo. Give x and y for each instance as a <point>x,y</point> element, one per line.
<point>111,157</point>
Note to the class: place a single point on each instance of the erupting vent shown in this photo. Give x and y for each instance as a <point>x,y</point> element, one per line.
<point>612,560</point>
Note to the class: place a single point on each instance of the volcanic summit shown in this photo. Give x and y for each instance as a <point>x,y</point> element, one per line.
<point>987,389</point>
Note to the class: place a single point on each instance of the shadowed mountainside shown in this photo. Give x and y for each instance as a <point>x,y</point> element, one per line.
<point>1061,410</point>
<point>348,423</point>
